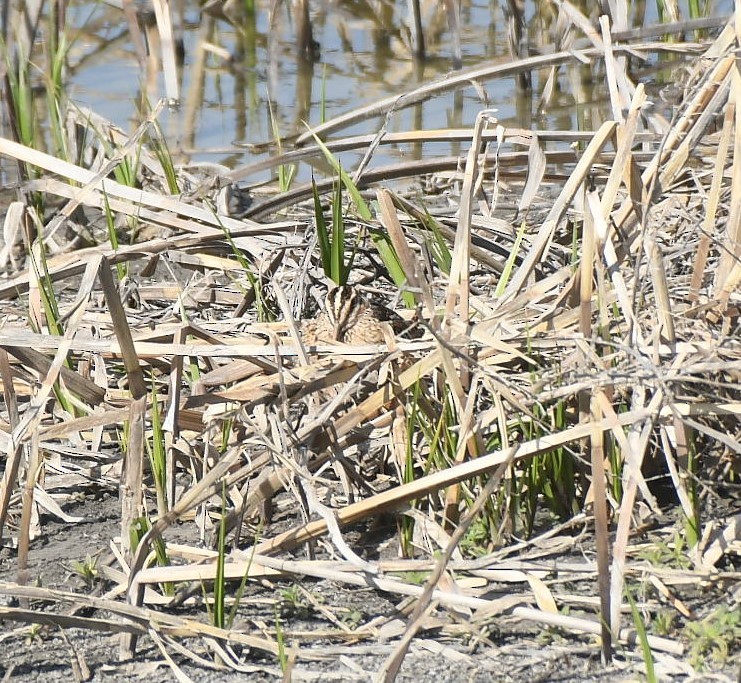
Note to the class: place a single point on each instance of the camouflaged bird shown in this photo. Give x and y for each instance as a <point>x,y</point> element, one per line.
<point>349,318</point>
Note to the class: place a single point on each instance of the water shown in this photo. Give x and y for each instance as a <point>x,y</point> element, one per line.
<point>227,92</point>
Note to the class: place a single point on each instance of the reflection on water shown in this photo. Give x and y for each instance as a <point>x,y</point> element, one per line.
<point>242,68</point>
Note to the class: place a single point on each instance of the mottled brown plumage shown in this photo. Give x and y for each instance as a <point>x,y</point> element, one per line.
<point>348,318</point>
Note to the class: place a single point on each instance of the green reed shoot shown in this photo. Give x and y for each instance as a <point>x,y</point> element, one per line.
<point>22,101</point>
<point>332,245</point>
<point>218,616</point>
<point>384,247</point>
<point>87,570</point>
<point>264,312</point>
<point>433,238</point>
<point>439,429</point>
<point>481,535</point>
<point>286,175</point>
<point>577,232</point>
<point>282,656</point>
<point>662,11</point>
<point>24,119</point>
<point>423,430</point>
<point>640,627</point>
<point>550,478</point>
<point>46,290</point>
<point>243,583</point>
<point>510,263</point>
<point>692,524</point>
<point>286,172</point>
<point>406,523</point>
<point>126,171</point>
<point>139,527</point>
<point>360,204</point>
<point>380,240</point>
<point>227,425</point>
<point>53,318</point>
<point>439,249</point>
<point>55,94</point>
<point>158,454</point>
<point>615,457</point>
<point>158,143</point>
<point>122,269</point>
<point>432,428</point>
<point>218,613</point>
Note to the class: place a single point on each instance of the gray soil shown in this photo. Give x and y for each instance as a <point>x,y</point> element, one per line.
<point>506,651</point>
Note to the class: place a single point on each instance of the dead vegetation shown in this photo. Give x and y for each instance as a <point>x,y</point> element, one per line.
<point>574,375</point>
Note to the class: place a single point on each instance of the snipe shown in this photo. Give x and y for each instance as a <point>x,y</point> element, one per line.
<point>348,318</point>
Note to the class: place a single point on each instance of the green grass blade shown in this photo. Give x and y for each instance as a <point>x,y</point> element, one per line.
<point>390,259</point>
<point>338,273</point>
<point>439,247</point>
<point>360,204</point>
<point>162,151</point>
<point>642,639</point>
<point>321,230</point>
<point>157,454</point>
<point>219,582</point>
<point>510,264</point>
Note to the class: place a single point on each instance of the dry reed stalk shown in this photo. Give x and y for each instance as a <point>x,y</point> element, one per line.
<point>202,221</point>
<point>171,422</point>
<point>395,498</point>
<point>731,254</point>
<point>622,170</point>
<point>13,458</point>
<point>535,325</point>
<point>349,575</point>
<point>601,527</point>
<point>703,248</point>
<point>466,76</point>
<point>633,449</point>
<point>456,299</point>
<point>619,97</point>
<point>163,16</point>
<point>29,516</point>
<point>512,168</point>
<point>684,134</point>
<point>136,617</point>
<point>83,388</point>
<point>442,136</point>
<point>390,221</point>
<point>26,431</point>
<point>537,159</point>
<point>391,666</point>
<point>131,486</point>
<point>342,427</point>
<point>469,445</point>
<point>545,233</point>
<point>457,304</point>
<point>137,38</point>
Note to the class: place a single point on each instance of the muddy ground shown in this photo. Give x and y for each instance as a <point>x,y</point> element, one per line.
<point>507,650</point>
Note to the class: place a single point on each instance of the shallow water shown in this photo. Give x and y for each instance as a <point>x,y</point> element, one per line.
<point>235,73</point>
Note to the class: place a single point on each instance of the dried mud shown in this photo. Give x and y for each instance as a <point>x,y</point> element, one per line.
<point>505,650</point>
